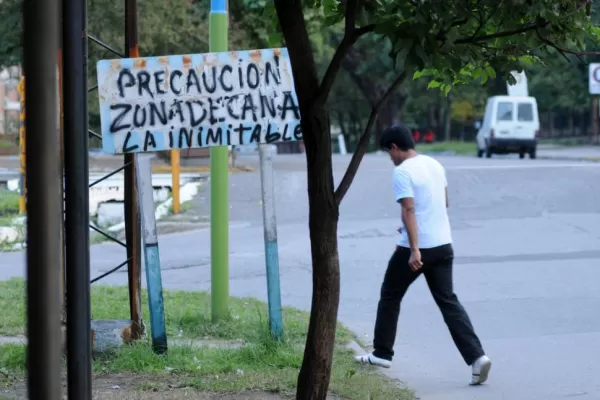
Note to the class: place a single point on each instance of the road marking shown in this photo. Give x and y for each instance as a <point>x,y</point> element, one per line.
<point>512,166</point>
<point>530,166</point>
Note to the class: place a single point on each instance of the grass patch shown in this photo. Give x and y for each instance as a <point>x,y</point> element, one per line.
<point>7,220</point>
<point>261,365</point>
<point>9,203</point>
<point>183,207</point>
<point>97,238</point>
<point>7,143</point>
<point>461,148</point>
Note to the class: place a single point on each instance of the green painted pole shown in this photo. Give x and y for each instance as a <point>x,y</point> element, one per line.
<point>219,185</point>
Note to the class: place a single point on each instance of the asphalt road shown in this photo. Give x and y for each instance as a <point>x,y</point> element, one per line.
<point>527,247</point>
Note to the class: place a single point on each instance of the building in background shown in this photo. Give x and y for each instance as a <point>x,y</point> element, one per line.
<point>9,110</point>
<point>9,101</point>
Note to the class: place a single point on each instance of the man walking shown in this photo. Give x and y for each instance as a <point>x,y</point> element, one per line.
<point>425,246</point>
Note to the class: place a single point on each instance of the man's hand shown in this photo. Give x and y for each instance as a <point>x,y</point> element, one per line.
<point>415,260</point>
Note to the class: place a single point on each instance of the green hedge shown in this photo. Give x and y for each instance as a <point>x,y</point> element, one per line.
<point>9,202</point>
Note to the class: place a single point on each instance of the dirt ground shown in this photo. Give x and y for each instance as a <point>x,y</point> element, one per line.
<point>123,387</point>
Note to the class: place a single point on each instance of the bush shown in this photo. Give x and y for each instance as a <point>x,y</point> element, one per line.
<point>9,202</point>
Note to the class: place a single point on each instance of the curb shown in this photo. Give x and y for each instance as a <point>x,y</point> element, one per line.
<point>109,335</point>
<point>12,340</point>
<point>201,169</point>
<point>355,347</point>
<point>580,159</point>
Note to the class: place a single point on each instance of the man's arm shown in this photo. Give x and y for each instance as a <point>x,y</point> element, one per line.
<point>403,188</point>
<point>445,185</point>
<point>410,222</point>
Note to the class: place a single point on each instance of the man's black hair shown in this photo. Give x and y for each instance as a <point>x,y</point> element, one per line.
<point>399,135</point>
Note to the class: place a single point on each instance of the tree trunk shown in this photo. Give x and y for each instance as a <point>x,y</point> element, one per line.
<point>498,85</point>
<point>571,122</point>
<point>448,119</point>
<point>433,123</point>
<point>313,380</point>
<point>341,119</point>
<point>373,89</point>
<point>387,117</point>
<point>595,129</point>
<point>440,117</point>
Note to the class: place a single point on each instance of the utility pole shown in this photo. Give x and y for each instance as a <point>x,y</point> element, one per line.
<point>44,195</point>
<point>219,184</point>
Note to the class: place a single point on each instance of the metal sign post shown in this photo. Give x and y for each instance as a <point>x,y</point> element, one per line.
<point>594,87</point>
<point>266,153</point>
<point>77,219</point>
<point>143,169</point>
<point>131,212</point>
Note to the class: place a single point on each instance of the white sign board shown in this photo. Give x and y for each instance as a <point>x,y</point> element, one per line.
<point>594,78</point>
<point>199,100</point>
<point>519,89</point>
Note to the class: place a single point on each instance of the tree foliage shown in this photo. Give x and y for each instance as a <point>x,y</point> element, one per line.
<point>367,69</point>
<point>10,33</point>
<point>452,43</point>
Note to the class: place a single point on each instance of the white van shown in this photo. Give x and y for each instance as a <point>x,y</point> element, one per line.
<point>511,125</point>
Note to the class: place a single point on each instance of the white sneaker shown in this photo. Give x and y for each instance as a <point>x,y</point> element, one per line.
<point>370,359</point>
<point>480,370</point>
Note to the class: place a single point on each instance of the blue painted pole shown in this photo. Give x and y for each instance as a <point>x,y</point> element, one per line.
<point>266,153</point>
<point>143,169</point>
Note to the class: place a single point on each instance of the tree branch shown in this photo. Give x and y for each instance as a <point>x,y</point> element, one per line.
<point>350,17</point>
<point>351,35</point>
<point>363,142</point>
<point>350,65</point>
<point>363,31</point>
<point>541,23</point>
<point>564,50</point>
<point>483,38</point>
<point>482,23</point>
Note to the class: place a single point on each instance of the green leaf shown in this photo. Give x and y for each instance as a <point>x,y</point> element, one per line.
<point>330,6</point>
<point>420,52</point>
<point>423,72</point>
<point>434,84</point>
<point>274,39</point>
<point>446,89</point>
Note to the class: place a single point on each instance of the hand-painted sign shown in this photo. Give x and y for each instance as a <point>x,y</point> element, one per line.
<point>190,101</point>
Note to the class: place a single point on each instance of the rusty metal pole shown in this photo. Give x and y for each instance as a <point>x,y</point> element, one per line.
<point>132,214</point>
<point>22,150</point>
<point>40,41</point>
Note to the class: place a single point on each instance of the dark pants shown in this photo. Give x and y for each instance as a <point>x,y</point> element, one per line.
<point>437,268</point>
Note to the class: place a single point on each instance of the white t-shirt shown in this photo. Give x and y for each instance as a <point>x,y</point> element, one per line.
<point>424,179</point>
